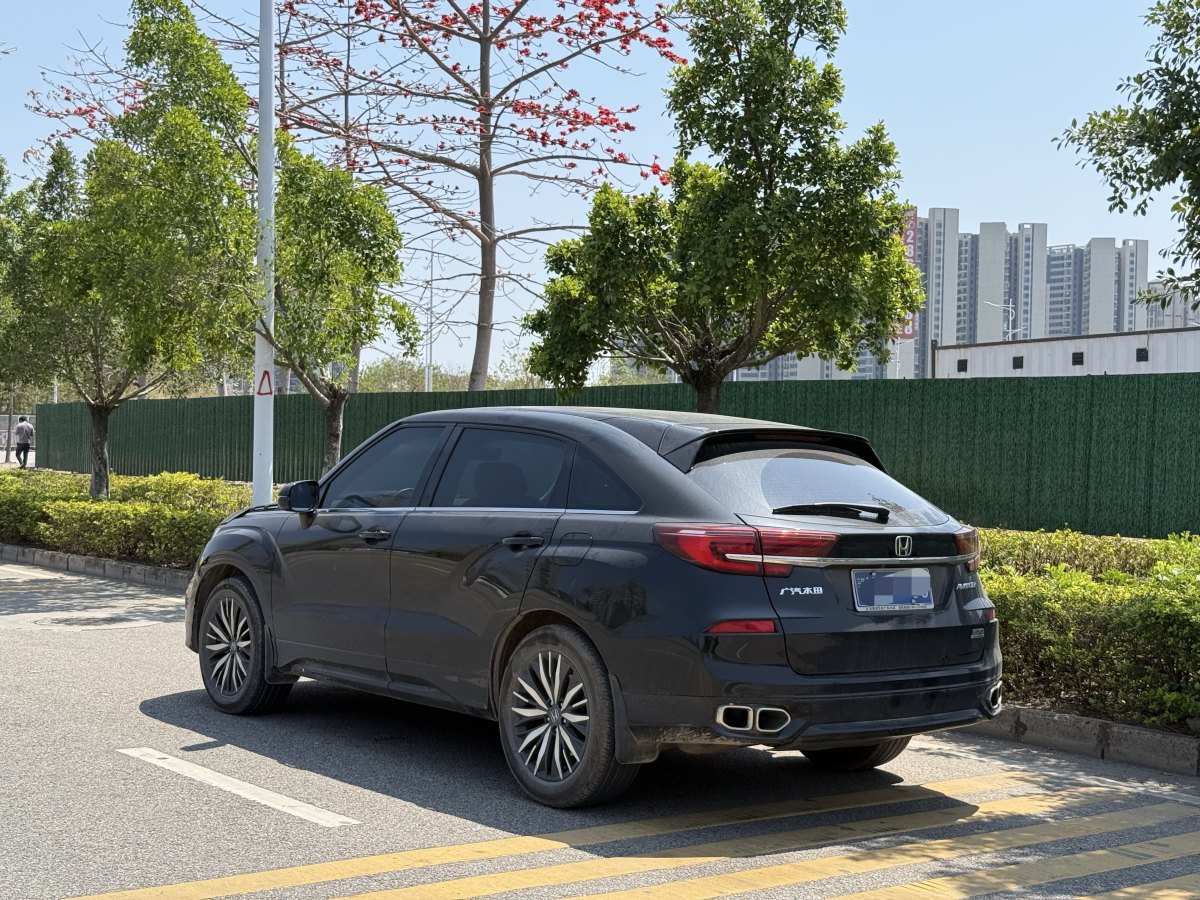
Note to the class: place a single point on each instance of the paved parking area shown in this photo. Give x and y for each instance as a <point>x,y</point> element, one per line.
<point>121,780</point>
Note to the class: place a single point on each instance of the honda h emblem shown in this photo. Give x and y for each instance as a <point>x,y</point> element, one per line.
<point>904,545</point>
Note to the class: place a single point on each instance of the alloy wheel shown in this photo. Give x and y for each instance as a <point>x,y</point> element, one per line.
<point>551,717</point>
<point>227,643</point>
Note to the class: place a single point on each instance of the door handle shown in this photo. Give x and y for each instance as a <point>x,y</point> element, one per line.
<point>517,541</point>
<point>374,534</point>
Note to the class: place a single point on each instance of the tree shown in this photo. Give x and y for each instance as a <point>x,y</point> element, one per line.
<point>18,220</point>
<point>337,244</point>
<point>444,103</point>
<point>141,270</point>
<point>393,374</point>
<point>1152,144</point>
<point>621,373</point>
<point>338,249</point>
<point>789,244</point>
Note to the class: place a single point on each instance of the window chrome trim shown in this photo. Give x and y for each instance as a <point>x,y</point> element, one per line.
<point>821,562</point>
<point>504,509</point>
<point>518,509</point>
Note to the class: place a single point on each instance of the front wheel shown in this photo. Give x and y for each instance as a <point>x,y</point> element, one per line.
<point>233,651</point>
<point>856,759</point>
<point>556,721</point>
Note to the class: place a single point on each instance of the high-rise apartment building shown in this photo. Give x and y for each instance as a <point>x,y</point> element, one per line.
<point>1132,280</point>
<point>939,277</point>
<point>968,288</point>
<point>1064,287</point>
<point>1027,279</point>
<point>995,316</point>
<point>1098,288</point>
<point>1175,313</point>
<point>997,286</point>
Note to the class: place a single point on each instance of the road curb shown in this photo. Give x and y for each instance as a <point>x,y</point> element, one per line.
<point>1161,750</point>
<point>97,567</point>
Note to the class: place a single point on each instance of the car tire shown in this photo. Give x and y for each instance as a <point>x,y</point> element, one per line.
<point>856,759</point>
<point>233,651</point>
<point>555,709</point>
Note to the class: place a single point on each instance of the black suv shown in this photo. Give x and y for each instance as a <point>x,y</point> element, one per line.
<point>607,582</point>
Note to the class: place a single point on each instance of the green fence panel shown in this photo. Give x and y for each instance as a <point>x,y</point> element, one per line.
<point>1106,455</point>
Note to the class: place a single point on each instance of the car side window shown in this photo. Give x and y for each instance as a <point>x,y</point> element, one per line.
<point>595,486</point>
<point>386,473</point>
<point>504,469</point>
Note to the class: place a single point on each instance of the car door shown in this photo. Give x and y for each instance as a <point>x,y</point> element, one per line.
<point>460,564</point>
<point>332,603</point>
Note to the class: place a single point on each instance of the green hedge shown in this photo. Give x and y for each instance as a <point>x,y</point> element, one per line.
<point>163,520</point>
<point>1100,626</point>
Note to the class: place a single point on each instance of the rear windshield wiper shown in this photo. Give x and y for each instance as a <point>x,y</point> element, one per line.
<point>842,510</point>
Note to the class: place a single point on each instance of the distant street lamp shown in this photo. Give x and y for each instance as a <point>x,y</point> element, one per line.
<point>1011,312</point>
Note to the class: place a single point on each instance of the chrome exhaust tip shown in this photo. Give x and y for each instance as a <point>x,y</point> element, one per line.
<point>995,700</point>
<point>771,719</point>
<point>735,718</point>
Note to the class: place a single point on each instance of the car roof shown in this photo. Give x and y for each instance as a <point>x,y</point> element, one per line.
<point>670,433</point>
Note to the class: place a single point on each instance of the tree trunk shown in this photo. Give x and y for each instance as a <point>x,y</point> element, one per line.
<point>99,414</point>
<point>487,214</point>
<point>708,395</point>
<point>356,370</point>
<point>334,413</point>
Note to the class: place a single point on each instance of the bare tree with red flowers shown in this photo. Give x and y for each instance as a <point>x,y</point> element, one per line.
<point>459,109</point>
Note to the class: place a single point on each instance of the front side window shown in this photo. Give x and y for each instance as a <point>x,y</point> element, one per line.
<point>504,470</point>
<point>387,473</point>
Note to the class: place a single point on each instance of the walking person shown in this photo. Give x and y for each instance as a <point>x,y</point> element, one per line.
<point>24,434</point>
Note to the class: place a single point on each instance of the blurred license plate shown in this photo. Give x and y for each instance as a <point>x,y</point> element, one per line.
<point>892,590</point>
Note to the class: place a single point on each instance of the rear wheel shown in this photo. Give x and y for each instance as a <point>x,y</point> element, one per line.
<point>856,759</point>
<point>556,720</point>
<point>233,651</point>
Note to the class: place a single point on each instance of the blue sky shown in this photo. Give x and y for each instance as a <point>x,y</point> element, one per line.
<point>971,91</point>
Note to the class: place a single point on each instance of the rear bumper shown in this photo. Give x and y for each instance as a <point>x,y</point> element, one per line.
<point>824,712</point>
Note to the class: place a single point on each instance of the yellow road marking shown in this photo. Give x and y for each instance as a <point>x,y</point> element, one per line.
<point>758,845</point>
<point>1044,871</point>
<point>1186,887</point>
<point>908,854</point>
<point>405,860</point>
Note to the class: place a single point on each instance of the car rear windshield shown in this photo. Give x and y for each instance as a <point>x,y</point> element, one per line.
<point>761,481</point>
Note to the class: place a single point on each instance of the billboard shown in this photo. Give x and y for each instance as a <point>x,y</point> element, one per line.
<point>908,330</point>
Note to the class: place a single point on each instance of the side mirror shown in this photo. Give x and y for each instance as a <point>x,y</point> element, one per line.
<point>299,496</point>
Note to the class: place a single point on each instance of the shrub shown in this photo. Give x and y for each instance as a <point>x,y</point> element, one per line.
<point>140,531</point>
<point>180,490</point>
<point>1121,649</point>
<point>159,519</point>
<point>1032,552</point>
<point>22,495</point>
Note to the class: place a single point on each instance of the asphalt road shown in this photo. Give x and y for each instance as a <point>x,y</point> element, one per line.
<point>345,795</point>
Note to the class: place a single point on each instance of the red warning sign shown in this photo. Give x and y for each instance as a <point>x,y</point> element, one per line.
<point>264,384</point>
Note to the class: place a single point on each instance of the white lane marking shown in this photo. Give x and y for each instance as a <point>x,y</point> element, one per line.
<point>241,788</point>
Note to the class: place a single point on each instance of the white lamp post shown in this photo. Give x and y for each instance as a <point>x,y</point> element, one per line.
<point>264,353</point>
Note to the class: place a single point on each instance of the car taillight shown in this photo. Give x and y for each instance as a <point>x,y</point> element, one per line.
<point>781,542</point>
<point>741,549</point>
<point>967,541</point>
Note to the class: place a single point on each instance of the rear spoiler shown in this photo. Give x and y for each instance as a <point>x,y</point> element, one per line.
<point>683,448</point>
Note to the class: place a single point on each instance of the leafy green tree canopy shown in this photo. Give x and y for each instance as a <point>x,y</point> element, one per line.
<point>1152,143</point>
<point>145,277</point>
<point>790,243</point>
<point>338,250</point>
